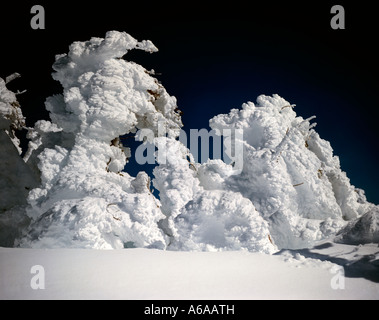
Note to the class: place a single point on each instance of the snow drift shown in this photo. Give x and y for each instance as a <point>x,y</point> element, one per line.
<point>289,193</point>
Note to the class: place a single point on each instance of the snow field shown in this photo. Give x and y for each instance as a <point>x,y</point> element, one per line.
<point>156,274</point>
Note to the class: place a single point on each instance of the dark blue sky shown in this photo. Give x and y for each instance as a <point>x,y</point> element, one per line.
<point>215,57</point>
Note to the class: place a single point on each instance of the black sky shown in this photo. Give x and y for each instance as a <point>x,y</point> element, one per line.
<point>214,57</point>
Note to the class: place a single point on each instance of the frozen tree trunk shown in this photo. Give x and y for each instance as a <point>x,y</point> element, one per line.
<point>16,178</point>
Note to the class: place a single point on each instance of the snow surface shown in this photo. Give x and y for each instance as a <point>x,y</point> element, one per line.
<point>157,274</point>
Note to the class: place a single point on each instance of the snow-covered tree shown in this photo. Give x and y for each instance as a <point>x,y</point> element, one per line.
<point>85,200</point>
<point>290,193</point>
<point>289,173</point>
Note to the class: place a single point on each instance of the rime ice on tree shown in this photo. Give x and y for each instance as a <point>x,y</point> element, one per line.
<point>291,191</point>
<point>84,199</point>
<point>290,173</point>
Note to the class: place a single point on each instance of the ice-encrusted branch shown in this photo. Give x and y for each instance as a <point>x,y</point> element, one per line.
<point>12,77</point>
